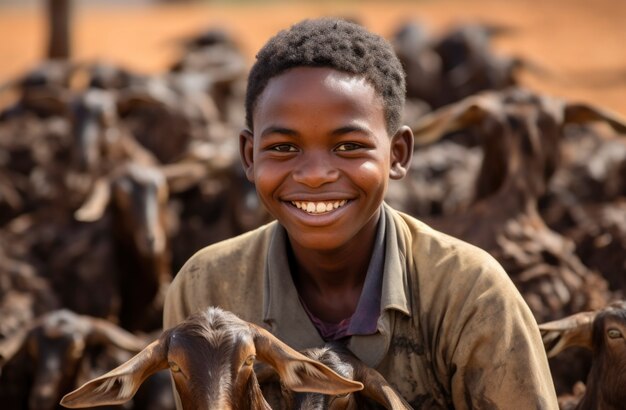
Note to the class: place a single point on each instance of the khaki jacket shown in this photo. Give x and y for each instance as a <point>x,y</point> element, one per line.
<point>453,332</point>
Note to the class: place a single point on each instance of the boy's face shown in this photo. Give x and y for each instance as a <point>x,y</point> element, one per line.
<point>321,157</point>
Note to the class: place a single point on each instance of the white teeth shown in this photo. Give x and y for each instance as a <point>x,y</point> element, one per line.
<point>318,207</point>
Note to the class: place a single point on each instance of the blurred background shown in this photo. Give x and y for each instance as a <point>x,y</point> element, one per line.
<point>573,38</point>
<point>119,160</point>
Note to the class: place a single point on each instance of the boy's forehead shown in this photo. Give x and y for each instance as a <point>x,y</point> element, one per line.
<point>328,75</point>
<point>292,84</point>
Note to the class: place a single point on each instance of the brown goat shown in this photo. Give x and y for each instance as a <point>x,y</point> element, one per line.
<point>138,195</point>
<point>210,356</point>
<point>586,201</point>
<point>24,295</point>
<point>376,393</point>
<point>100,142</point>
<point>412,44</point>
<point>215,199</point>
<point>440,180</point>
<point>520,134</point>
<point>53,352</point>
<point>604,333</point>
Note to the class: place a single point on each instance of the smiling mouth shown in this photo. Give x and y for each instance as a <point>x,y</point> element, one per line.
<point>315,208</point>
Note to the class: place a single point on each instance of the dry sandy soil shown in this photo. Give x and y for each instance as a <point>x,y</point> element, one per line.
<point>581,41</point>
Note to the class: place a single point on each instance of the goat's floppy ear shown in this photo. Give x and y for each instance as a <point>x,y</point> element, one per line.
<point>298,372</point>
<point>583,113</point>
<point>574,330</point>
<point>184,175</point>
<point>432,126</point>
<point>96,203</point>
<point>120,384</point>
<point>106,332</point>
<point>377,388</point>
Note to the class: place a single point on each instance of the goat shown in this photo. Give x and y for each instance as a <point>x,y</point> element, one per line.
<point>604,333</point>
<point>520,139</point>
<point>139,197</point>
<point>108,76</point>
<point>586,201</point>
<point>52,356</point>
<point>214,198</point>
<point>100,142</point>
<point>42,91</point>
<point>521,136</point>
<point>440,180</point>
<point>216,55</point>
<point>504,220</point>
<point>412,45</point>
<point>468,64</point>
<point>210,356</point>
<point>376,390</point>
<point>24,295</point>
<point>33,155</point>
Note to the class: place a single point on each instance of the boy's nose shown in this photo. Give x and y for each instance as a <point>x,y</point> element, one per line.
<point>315,171</point>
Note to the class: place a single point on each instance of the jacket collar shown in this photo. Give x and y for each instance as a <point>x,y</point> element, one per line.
<point>284,313</point>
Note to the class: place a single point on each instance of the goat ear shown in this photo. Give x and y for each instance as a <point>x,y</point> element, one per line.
<point>583,113</point>
<point>96,203</point>
<point>298,372</point>
<point>376,387</point>
<point>106,332</point>
<point>184,175</point>
<point>471,110</point>
<point>574,330</point>
<point>120,384</point>
<point>11,345</point>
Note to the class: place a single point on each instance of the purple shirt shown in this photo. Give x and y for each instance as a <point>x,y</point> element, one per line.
<point>364,320</point>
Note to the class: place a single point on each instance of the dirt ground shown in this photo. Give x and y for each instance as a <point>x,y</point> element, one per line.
<point>581,41</point>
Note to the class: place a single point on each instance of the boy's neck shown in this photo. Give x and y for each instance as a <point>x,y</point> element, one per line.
<point>330,282</point>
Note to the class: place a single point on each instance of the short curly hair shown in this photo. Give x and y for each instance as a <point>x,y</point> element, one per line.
<point>334,43</point>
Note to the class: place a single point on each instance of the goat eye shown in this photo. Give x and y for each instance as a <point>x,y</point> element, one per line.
<point>249,361</point>
<point>174,367</point>
<point>614,333</point>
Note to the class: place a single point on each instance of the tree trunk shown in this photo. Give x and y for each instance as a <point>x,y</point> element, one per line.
<point>59,16</point>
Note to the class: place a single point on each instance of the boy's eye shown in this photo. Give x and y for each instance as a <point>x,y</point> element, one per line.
<point>348,146</point>
<point>283,148</point>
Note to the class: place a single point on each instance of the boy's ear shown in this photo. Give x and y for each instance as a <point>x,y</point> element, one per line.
<point>401,152</point>
<point>246,148</point>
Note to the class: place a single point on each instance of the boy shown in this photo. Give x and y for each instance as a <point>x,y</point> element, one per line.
<point>437,317</point>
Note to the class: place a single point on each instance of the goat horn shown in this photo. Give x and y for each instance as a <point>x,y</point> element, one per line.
<point>184,175</point>
<point>581,113</point>
<point>96,203</point>
<point>471,110</point>
<point>574,330</point>
<point>102,330</point>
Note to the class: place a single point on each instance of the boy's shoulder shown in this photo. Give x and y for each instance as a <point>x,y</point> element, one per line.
<point>429,245</point>
<point>443,266</point>
<point>454,282</point>
<point>238,249</point>
<point>228,274</point>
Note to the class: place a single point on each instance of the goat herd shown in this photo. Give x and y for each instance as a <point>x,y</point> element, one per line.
<point>110,180</point>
